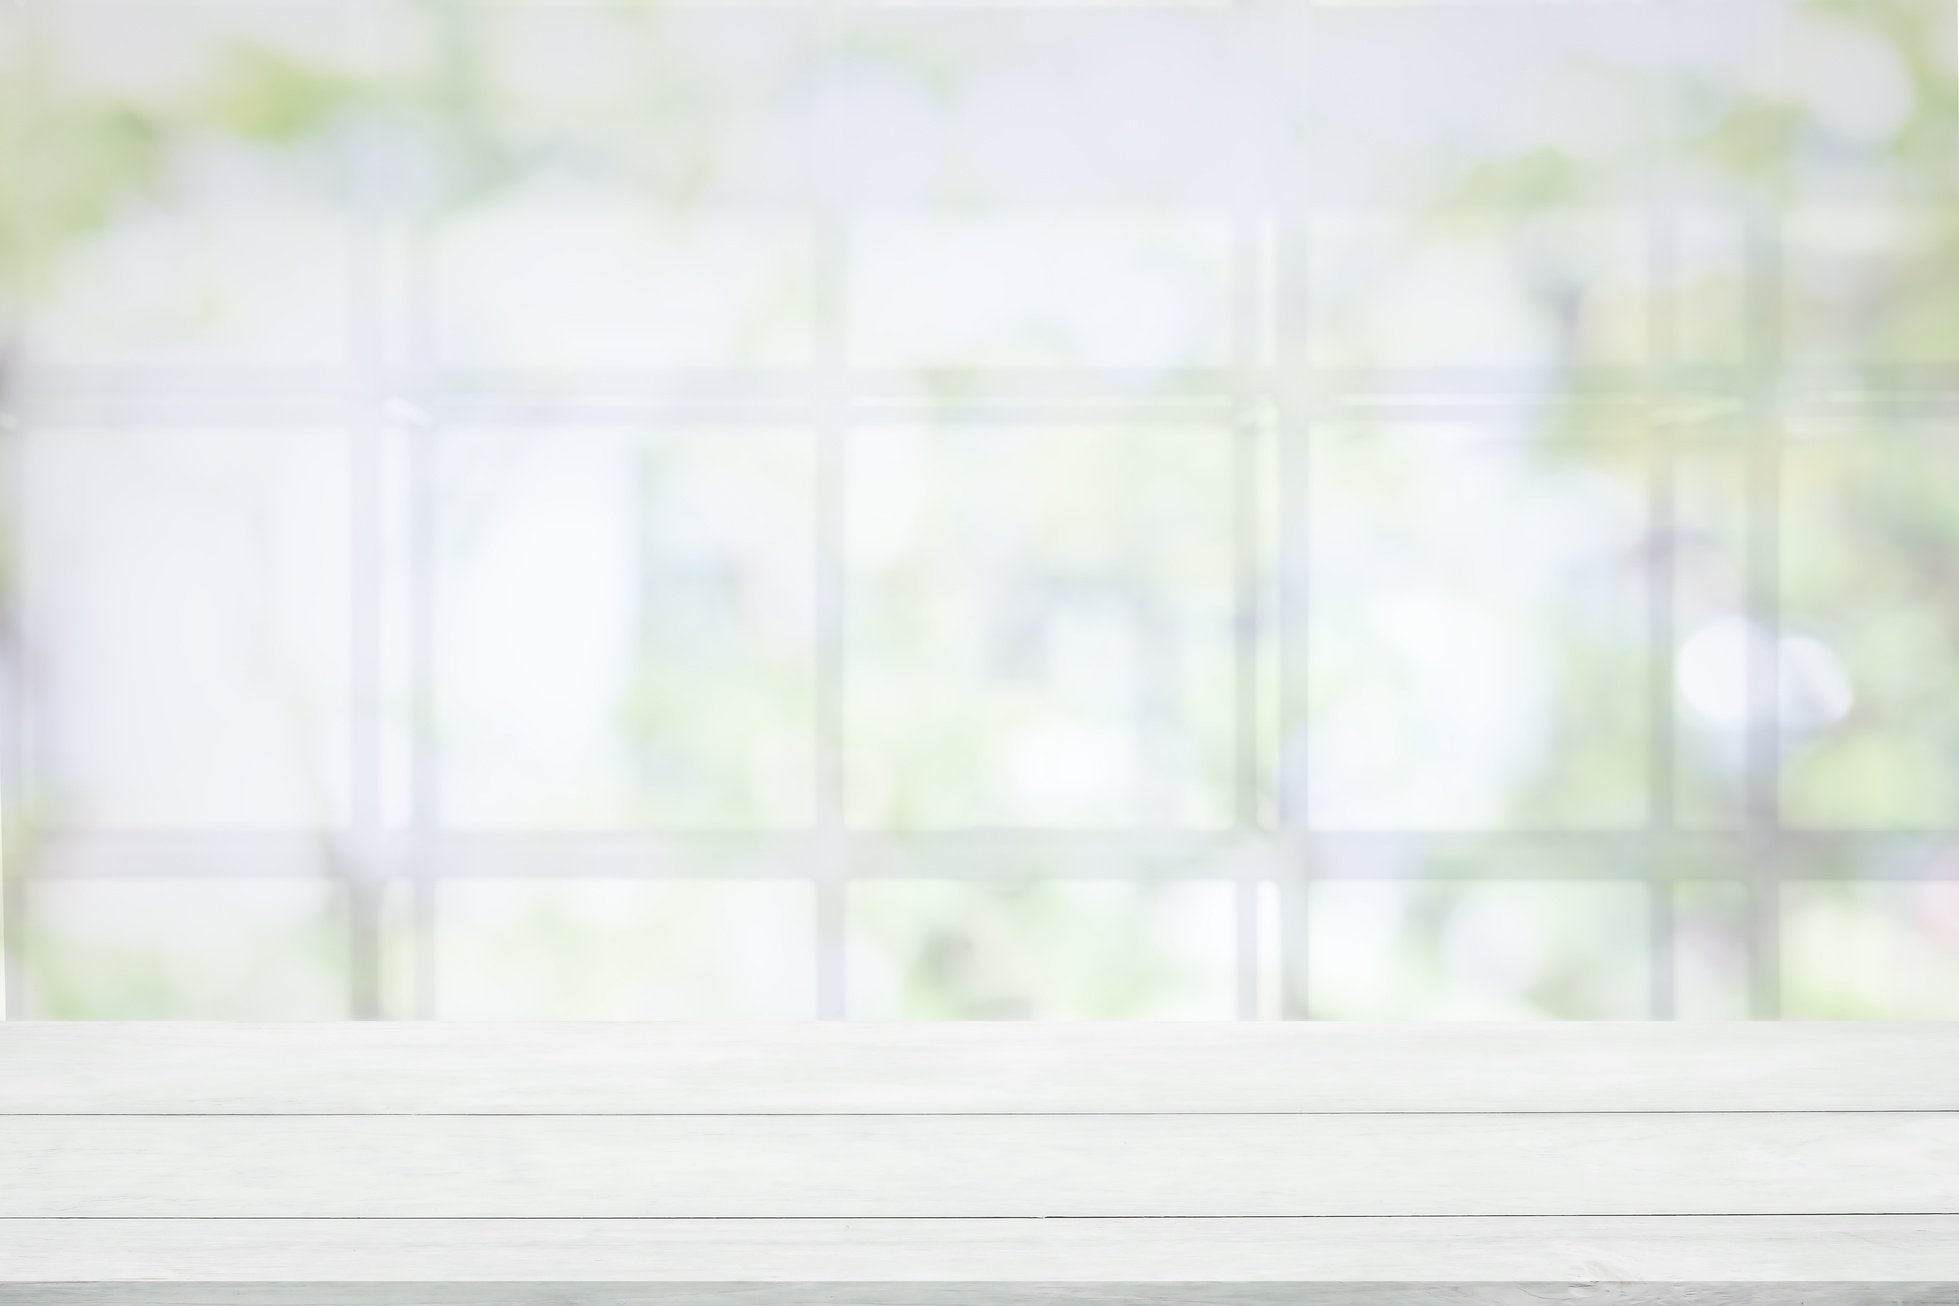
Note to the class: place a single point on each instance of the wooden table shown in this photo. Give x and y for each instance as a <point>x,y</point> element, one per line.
<point>972,1164</point>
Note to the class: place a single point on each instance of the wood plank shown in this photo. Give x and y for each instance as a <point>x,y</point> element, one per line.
<point>421,1293</point>
<point>906,1166</point>
<point>1038,1069</point>
<point>1653,1249</point>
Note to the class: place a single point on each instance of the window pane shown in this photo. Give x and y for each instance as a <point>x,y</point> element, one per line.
<point>1710,252</point>
<point>1477,629</point>
<point>187,204</point>
<point>1051,105</point>
<point>694,106</point>
<point>15,59</point>
<point>1523,293</point>
<point>626,632</point>
<point>186,949</point>
<point>1043,949</point>
<point>1872,288</point>
<point>1871,950</point>
<point>1869,712</point>
<point>1774,101</point>
<point>1415,950</point>
<point>1041,290</point>
<point>598,280</point>
<point>187,593</point>
<point>1385,114</point>
<point>1039,627</point>
<point>1710,950</point>
<point>595,949</point>
<point>1721,648</point>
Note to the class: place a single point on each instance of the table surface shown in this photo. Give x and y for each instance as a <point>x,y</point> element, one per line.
<point>910,1165</point>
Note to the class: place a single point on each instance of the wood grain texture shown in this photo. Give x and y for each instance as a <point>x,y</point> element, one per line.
<point>1039,1069</point>
<point>902,1166</point>
<point>421,1293</point>
<point>1651,1249</point>
<point>1222,1165</point>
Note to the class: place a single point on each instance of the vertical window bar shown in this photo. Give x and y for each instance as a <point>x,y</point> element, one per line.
<point>1246,276</point>
<point>423,795</point>
<point>1295,903</point>
<point>1292,471</point>
<point>13,706</point>
<point>1269,908</point>
<point>364,617</point>
<point>416,428</point>
<point>831,405</point>
<point>1291,492</point>
<point>1661,280</point>
<point>1764,281</point>
<point>15,690</point>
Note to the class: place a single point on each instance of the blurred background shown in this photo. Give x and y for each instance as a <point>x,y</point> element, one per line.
<point>1256,509</point>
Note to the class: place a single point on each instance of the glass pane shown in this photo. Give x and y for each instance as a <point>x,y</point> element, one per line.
<point>1710,950</point>
<point>1040,626</point>
<point>1721,649</point>
<point>1871,950</point>
<point>695,107</point>
<point>1525,293</point>
<point>1774,101</point>
<point>188,201</point>
<point>186,949</point>
<point>563,277</point>
<point>1041,949</point>
<point>1870,714</point>
<point>1416,950</point>
<point>1872,288</point>
<point>188,595</point>
<point>1139,106</point>
<point>626,634</point>
<point>595,949</point>
<point>1709,258</point>
<point>1040,290</point>
<point>1386,112</point>
<point>1477,618</point>
<point>15,59</point>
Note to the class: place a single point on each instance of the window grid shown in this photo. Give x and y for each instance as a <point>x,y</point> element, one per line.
<point>832,413</point>
<point>1754,850</point>
<point>382,405</point>
<point>424,801</point>
<point>365,651</point>
<point>16,243</point>
<point>1664,637</point>
<point>1247,351</point>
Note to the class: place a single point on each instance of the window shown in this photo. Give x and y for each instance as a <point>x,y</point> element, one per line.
<point>1222,509</point>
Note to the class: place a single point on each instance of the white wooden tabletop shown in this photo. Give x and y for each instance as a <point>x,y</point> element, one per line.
<point>909,1165</point>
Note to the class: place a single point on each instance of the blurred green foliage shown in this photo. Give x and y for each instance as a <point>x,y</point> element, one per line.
<point>1862,547</point>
